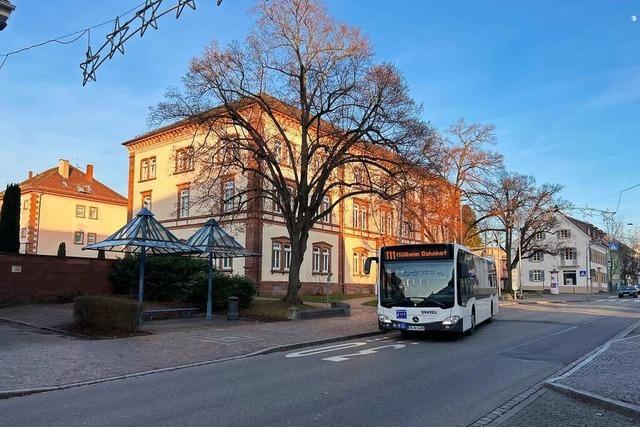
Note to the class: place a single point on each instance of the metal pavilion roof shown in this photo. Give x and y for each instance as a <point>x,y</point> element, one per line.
<point>211,238</point>
<point>143,231</point>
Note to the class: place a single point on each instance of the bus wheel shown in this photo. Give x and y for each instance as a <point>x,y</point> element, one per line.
<point>472,329</point>
<point>490,319</point>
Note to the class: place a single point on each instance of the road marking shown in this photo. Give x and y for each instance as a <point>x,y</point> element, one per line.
<point>320,350</point>
<point>344,357</point>
<point>540,338</point>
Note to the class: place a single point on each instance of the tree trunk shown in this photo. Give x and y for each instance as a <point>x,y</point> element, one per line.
<point>298,249</point>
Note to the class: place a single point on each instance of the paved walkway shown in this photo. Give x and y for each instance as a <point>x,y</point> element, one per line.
<point>33,359</point>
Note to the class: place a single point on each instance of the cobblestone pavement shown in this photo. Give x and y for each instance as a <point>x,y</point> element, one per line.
<point>555,409</point>
<point>615,373</point>
<point>28,360</point>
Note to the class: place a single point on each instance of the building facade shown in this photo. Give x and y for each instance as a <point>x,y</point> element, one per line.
<point>580,263</point>
<point>66,205</point>
<point>162,175</point>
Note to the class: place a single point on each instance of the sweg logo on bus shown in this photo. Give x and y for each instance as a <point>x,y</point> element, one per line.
<point>401,314</point>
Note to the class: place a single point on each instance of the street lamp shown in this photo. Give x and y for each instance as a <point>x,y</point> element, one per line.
<point>5,10</point>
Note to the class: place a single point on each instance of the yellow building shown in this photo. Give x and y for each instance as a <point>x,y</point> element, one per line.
<point>163,176</point>
<point>64,204</point>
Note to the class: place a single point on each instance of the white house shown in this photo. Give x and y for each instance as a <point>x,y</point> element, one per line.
<point>580,263</point>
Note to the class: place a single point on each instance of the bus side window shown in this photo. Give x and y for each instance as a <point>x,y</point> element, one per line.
<point>463,278</point>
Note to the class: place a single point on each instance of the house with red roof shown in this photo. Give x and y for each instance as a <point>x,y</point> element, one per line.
<point>66,204</point>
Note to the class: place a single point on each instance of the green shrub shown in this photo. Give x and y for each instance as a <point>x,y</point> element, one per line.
<point>224,286</point>
<point>179,279</point>
<point>62,249</point>
<point>108,315</point>
<point>167,278</point>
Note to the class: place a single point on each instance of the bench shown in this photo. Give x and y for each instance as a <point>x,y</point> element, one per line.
<point>182,311</point>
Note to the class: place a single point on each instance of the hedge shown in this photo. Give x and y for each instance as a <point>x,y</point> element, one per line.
<point>104,314</point>
<point>179,279</point>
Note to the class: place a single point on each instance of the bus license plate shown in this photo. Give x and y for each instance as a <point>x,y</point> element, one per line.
<point>415,328</point>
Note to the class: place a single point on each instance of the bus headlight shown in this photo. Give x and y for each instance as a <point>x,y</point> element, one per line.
<point>451,320</point>
<point>384,318</point>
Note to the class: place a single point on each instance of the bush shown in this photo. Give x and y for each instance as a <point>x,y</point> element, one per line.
<point>167,278</point>
<point>224,286</point>
<point>108,315</point>
<point>179,279</point>
<point>62,249</point>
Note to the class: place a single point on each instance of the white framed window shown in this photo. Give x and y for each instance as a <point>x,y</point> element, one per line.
<point>78,237</point>
<point>277,151</point>
<point>363,258</point>
<point>183,203</point>
<point>23,232</point>
<point>326,202</point>
<point>536,275</point>
<point>93,212</point>
<point>276,253</point>
<point>356,215</point>
<point>538,256</point>
<point>226,264</point>
<point>184,159</point>
<point>316,260</point>
<point>539,235</point>
<point>80,211</point>
<point>406,229</point>
<point>564,234</point>
<point>356,263</point>
<point>25,204</point>
<point>91,238</point>
<point>152,168</point>
<point>363,217</point>
<point>229,191</point>
<point>144,169</point>
<point>287,256</point>
<point>326,255</point>
<point>146,201</point>
<point>569,254</point>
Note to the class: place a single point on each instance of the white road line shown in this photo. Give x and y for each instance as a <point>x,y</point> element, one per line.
<point>541,338</point>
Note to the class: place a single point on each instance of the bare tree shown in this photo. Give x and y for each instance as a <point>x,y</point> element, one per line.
<point>463,158</point>
<point>517,209</point>
<point>304,114</point>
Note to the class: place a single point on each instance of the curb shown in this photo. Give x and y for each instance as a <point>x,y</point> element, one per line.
<point>627,409</point>
<point>503,413</point>
<point>46,328</point>
<point>7,394</point>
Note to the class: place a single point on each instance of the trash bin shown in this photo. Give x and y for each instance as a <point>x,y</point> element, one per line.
<point>233,309</point>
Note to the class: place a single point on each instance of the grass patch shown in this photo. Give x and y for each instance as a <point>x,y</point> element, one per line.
<point>268,310</point>
<point>332,298</point>
<point>371,303</point>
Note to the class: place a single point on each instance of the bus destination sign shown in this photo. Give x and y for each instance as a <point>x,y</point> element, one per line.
<point>417,252</point>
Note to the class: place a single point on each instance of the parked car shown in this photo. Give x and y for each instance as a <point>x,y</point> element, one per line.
<point>632,291</point>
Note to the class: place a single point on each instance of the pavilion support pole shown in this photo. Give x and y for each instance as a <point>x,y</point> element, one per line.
<point>143,256</point>
<point>210,287</point>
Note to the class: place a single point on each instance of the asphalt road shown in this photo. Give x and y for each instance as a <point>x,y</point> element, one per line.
<point>380,381</point>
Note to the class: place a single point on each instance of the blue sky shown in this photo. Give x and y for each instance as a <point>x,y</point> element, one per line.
<point>560,80</point>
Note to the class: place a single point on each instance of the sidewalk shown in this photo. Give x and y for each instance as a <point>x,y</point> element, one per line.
<point>603,390</point>
<point>32,358</point>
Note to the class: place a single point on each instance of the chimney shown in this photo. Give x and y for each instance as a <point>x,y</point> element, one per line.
<point>63,168</point>
<point>90,172</point>
<point>30,174</point>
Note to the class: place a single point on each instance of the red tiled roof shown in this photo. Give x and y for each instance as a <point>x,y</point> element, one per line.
<point>78,185</point>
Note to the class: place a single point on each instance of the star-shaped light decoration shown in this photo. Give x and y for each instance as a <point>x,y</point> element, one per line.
<point>152,5</point>
<point>89,66</point>
<point>182,4</point>
<point>119,32</point>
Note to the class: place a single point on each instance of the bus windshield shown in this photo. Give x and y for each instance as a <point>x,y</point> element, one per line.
<point>417,283</point>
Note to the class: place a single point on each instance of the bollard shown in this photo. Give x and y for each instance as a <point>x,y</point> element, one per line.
<point>293,313</point>
<point>233,309</point>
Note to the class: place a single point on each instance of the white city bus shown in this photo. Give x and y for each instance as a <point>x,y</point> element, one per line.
<point>434,287</point>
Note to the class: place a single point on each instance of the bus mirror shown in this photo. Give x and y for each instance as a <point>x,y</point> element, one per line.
<point>367,263</point>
